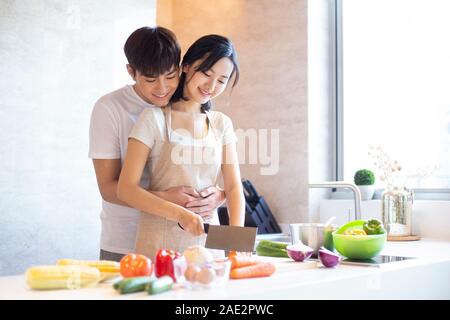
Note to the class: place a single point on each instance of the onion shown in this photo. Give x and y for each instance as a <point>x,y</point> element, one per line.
<point>198,255</point>
<point>299,252</point>
<point>329,259</point>
<point>179,266</point>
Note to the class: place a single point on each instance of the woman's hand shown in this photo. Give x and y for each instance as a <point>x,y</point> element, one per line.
<point>211,198</point>
<point>179,195</point>
<point>191,222</point>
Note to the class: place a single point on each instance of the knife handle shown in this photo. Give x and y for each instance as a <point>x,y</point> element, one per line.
<point>205,227</point>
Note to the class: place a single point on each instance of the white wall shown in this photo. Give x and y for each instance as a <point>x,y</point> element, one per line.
<point>56,59</point>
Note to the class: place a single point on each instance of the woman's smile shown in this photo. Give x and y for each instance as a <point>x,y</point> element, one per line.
<point>204,93</point>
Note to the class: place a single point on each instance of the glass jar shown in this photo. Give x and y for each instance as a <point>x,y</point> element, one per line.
<point>396,206</point>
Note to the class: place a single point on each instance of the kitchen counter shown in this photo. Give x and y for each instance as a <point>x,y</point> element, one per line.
<point>427,277</point>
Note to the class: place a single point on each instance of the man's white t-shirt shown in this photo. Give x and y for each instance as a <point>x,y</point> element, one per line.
<point>112,119</point>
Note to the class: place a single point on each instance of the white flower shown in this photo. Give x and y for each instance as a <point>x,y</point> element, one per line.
<point>390,171</point>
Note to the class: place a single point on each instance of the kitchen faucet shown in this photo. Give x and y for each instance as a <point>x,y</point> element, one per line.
<point>342,184</point>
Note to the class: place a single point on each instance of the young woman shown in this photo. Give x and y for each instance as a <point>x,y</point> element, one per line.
<point>185,144</point>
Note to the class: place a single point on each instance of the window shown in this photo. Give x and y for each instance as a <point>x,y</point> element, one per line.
<point>393,78</point>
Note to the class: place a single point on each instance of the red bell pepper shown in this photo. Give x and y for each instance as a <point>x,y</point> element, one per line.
<point>164,263</point>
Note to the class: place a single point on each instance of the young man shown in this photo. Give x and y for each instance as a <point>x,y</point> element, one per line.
<point>153,56</point>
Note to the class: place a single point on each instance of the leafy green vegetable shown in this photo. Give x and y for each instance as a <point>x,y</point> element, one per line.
<point>271,249</point>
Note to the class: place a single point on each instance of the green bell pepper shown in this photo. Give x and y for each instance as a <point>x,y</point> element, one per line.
<point>373,226</point>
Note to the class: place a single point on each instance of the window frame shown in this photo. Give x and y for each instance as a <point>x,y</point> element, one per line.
<point>336,47</point>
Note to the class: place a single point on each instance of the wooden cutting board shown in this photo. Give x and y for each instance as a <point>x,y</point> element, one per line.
<point>403,238</point>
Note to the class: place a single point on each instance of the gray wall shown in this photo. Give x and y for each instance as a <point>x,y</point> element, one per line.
<point>56,59</point>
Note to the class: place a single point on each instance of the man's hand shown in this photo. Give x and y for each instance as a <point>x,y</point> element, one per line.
<point>179,195</point>
<point>211,198</point>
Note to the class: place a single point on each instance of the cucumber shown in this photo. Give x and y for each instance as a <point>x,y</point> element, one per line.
<point>271,249</point>
<point>116,284</point>
<point>134,284</point>
<point>159,285</point>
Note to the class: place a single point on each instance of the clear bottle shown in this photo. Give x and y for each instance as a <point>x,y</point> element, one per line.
<point>328,237</point>
<point>396,206</point>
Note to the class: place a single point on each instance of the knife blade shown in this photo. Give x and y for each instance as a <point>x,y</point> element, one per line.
<point>229,238</point>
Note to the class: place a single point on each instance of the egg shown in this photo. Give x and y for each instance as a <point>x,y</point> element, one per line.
<point>191,273</point>
<point>205,275</point>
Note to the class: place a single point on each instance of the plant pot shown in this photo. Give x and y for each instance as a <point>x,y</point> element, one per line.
<point>367,192</point>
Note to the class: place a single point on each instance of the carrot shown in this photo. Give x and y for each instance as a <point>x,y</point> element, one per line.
<point>231,254</point>
<point>262,269</point>
<point>239,261</point>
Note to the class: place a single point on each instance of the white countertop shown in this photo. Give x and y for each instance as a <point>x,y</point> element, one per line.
<point>427,277</point>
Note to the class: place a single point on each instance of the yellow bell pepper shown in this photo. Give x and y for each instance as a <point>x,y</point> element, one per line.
<point>355,232</point>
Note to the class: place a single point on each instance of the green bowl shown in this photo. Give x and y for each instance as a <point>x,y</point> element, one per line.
<point>358,247</point>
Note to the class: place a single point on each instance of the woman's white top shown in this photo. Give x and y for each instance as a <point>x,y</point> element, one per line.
<point>178,159</point>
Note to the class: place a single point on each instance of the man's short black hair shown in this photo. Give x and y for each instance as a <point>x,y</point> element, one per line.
<point>152,51</point>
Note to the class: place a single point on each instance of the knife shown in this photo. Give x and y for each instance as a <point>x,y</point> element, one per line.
<point>229,238</point>
<point>253,196</point>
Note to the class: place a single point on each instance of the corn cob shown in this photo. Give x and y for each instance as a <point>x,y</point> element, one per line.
<point>62,277</point>
<point>108,269</point>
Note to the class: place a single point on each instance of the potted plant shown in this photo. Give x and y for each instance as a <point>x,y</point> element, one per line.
<point>365,180</point>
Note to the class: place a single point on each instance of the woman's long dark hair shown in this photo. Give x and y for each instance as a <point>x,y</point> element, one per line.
<point>214,47</point>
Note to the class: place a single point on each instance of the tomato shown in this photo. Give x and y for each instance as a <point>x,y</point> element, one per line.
<point>135,265</point>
